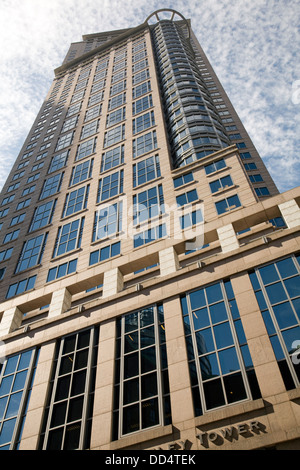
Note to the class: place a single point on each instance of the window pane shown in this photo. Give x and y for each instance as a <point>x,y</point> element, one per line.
<point>200,318</point>
<point>214,394</point>
<point>228,360</point>
<point>131,391</point>
<point>150,414</point>
<point>131,420</point>
<point>209,367</point>
<point>235,388</point>
<point>284,315</point>
<point>223,335</point>
<point>276,293</point>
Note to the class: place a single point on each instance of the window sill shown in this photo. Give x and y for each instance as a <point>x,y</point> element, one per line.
<point>64,255</point>
<point>142,436</point>
<point>223,190</point>
<point>230,411</point>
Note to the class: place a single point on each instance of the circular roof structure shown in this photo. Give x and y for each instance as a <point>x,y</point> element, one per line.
<point>163,14</point>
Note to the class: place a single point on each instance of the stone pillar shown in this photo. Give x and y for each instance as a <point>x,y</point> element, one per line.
<point>228,238</point>
<point>168,261</point>
<point>11,320</point>
<point>113,282</point>
<point>291,213</point>
<point>37,402</point>
<point>262,354</point>
<point>60,302</point>
<point>104,387</point>
<point>179,378</point>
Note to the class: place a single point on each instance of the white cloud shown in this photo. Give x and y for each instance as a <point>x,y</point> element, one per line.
<point>252,44</point>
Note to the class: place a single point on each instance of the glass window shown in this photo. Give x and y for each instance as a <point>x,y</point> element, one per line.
<point>68,420</point>
<point>220,365</point>
<point>143,144</point>
<point>114,136</point>
<point>220,184</point>
<point>141,398</point>
<point>186,198</point>
<point>117,101</point>
<point>76,201</point>
<point>21,286</point>
<point>146,170</point>
<point>112,158</point>
<point>150,235</point>
<point>58,161</point>
<point>62,270</point>
<point>141,89</point>
<point>5,254</point>
<point>115,117</point>
<point>183,179</point>
<point>108,221</point>
<point>110,186</point>
<point>261,192</point>
<point>228,204</point>
<point>193,218</point>
<point>32,252</point>
<point>105,253</point>
<point>142,104</point>
<point>148,204</point>
<point>9,237</point>
<point>277,290</point>
<point>68,237</point>
<point>51,185</point>
<point>81,172</point>
<point>86,148</point>
<point>42,215</point>
<point>89,129</point>
<point>215,166</point>
<point>143,122</point>
<point>93,112</point>
<point>64,141</point>
<point>16,378</point>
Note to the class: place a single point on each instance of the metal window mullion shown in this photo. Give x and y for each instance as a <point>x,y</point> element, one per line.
<point>121,381</point>
<point>24,397</point>
<point>236,341</point>
<point>55,381</point>
<point>216,351</point>
<point>277,328</point>
<point>158,366</point>
<point>196,355</point>
<point>87,388</point>
<point>8,399</point>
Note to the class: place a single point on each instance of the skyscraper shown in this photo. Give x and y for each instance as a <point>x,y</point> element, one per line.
<point>150,292</point>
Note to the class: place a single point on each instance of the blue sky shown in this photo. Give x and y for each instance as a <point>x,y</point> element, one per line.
<point>253,46</point>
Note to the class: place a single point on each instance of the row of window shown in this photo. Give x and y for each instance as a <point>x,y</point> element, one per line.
<point>147,204</point>
<point>219,361</point>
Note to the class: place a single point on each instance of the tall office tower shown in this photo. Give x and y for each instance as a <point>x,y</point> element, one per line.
<point>150,292</point>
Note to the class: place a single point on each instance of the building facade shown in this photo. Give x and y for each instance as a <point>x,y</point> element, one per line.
<point>150,290</point>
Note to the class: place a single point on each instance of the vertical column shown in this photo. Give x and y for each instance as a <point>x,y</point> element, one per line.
<point>264,361</point>
<point>37,403</point>
<point>113,282</point>
<point>60,302</point>
<point>228,238</point>
<point>104,387</point>
<point>168,261</point>
<point>179,379</point>
<point>11,320</point>
<point>291,213</point>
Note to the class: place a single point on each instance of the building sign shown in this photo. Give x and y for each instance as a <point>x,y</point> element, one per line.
<point>230,433</point>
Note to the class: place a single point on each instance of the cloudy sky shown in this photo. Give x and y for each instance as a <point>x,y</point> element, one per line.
<point>253,46</point>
